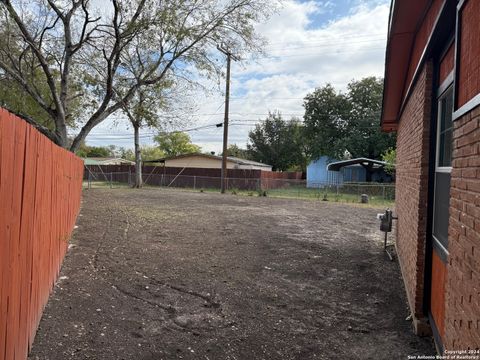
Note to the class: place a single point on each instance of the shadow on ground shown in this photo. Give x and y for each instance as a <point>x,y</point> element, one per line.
<point>158,274</point>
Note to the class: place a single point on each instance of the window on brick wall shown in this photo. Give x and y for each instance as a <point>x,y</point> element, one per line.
<point>445,130</point>
<point>442,172</point>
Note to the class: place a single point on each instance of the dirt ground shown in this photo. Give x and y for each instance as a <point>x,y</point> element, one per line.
<point>160,274</point>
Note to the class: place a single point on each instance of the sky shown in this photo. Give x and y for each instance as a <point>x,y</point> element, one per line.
<point>309,44</point>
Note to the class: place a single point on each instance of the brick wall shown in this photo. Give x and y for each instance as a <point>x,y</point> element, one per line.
<point>463,270</point>
<point>411,188</point>
<point>447,64</point>
<point>469,57</point>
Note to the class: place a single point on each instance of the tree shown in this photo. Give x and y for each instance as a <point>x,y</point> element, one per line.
<point>142,112</point>
<point>126,154</point>
<point>176,143</point>
<point>336,122</point>
<point>278,142</point>
<point>85,58</point>
<point>235,151</point>
<point>325,122</point>
<point>389,157</point>
<point>151,153</point>
<point>18,101</point>
<point>364,135</point>
<point>94,151</point>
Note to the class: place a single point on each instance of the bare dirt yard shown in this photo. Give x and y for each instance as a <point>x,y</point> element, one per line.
<point>162,274</point>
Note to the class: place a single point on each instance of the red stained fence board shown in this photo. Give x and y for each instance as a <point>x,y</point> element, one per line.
<point>40,194</point>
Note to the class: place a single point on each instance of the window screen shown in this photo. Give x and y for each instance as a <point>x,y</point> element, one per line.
<point>441,208</point>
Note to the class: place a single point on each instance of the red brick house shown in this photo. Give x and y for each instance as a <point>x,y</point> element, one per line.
<point>432,100</point>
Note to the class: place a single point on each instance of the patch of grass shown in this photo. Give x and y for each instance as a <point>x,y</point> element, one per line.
<point>105,185</point>
<point>348,193</point>
<point>327,195</point>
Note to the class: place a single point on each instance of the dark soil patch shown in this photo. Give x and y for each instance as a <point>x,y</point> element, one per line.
<point>158,274</point>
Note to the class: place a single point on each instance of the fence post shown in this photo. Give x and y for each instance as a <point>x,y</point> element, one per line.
<point>89,180</point>
<point>194,182</point>
<point>111,175</point>
<point>383,193</point>
<point>129,175</point>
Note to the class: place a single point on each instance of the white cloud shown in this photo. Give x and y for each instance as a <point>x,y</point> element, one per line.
<point>300,56</point>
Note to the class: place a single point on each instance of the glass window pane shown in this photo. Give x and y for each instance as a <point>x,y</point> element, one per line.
<point>445,129</point>
<point>441,208</point>
<point>447,158</point>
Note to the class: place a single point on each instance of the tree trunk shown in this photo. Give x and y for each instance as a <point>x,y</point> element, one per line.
<point>138,158</point>
<point>61,133</point>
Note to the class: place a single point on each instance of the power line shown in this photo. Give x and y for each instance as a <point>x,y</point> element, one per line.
<point>343,36</point>
<point>211,126</point>
<point>242,120</point>
<point>148,134</point>
<point>327,45</point>
<point>318,53</point>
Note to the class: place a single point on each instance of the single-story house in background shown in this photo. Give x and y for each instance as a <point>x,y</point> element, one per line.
<point>106,161</point>
<point>432,100</point>
<point>206,161</point>
<point>326,170</point>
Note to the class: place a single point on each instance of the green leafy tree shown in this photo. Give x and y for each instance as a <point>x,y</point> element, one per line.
<point>98,151</point>
<point>236,151</point>
<point>389,157</point>
<point>143,111</point>
<point>336,123</point>
<point>364,137</point>
<point>127,154</point>
<point>176,143</point>
<point>95,151</point>
<point>325,122</point>
<point>14,98</point>
<point>278,143</point>
<point>152,153</point>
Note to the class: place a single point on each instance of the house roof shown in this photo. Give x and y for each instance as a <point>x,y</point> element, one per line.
<point>405,15</point>
<point>336,166</point>
<point>105,160</point>
<point>231,159</point>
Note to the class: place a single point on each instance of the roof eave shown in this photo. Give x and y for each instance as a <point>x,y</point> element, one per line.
<point>404,19</point>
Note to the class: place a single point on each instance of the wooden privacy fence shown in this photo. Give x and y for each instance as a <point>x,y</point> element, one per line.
<point>40,192</point>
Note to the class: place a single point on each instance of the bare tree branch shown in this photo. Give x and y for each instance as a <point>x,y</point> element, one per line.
<point>43,129</point>
<point>139,46</point>
<point>28,38</point>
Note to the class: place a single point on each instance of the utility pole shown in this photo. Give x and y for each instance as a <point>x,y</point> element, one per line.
<point>230,56</point>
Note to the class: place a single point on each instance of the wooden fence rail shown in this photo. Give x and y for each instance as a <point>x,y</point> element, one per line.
<point>40,194</point>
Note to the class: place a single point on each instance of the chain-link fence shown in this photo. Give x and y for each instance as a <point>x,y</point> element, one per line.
<point>343,192</point>
<point>126,179</point>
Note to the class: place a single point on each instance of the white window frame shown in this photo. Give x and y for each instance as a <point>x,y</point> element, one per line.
<point>441,169</point>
